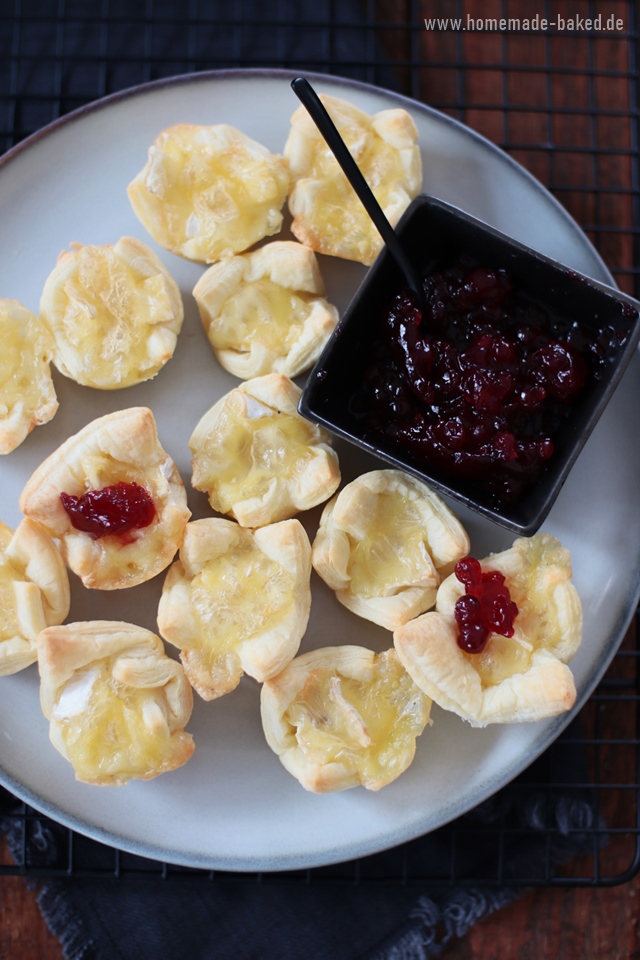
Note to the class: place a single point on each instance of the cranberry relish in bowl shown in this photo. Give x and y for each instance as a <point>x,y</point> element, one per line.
<point>491,396</point>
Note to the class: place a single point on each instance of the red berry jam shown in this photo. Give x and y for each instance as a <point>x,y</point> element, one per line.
<point>479,387</point>
<point>114,510</point>
<point>485,608</point>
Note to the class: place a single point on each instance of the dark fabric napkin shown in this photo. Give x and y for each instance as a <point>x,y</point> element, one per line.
<point>336,913</point>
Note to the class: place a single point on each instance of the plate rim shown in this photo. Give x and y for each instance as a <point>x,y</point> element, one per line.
<point>342,852</point>
<point>151,86</point>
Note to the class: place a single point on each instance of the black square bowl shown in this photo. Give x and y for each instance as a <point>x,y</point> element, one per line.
<point>433,232</point>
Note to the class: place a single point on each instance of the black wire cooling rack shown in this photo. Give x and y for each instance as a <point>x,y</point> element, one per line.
<point>561,98</point>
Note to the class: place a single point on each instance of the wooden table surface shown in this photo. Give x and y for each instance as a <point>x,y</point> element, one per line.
<point>575,924</point>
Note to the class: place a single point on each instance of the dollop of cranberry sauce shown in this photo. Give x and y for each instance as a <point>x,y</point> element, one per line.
<point>485,608</point>
<point>114,510</point>
<point>479,386</point>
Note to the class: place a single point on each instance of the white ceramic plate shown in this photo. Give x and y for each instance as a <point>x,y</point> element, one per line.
<point>233,806</point>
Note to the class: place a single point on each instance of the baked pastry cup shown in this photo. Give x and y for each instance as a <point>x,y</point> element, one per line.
<point>34,592</point>
<point>207,192</point>
<point>237,601</point>
<point>327,214</point>
<point>114,313</point>
<point>114,500</point>
<point>383,545</point>
<point>258,460</point>
<point>117,704</point>
<point>264,311</point>
<point>518,678</point>
<point>27,394</point>
<point>341,717</point>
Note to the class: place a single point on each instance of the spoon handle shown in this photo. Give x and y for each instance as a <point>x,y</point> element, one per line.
<point>309,98</point>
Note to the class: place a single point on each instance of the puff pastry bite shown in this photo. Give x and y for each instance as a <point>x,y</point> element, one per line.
<point>117,704</point>
<point>383,544</point>
<point>340,717</point>
<point>209,192</point>
<point>514,678</point>
<point>27,394</point>
<point>327,214</point>
<point>114,313</point>
<point>259,460</point>
<point>34,592</point>
<point>113,498</point>
<point>237,601</point>
<point>264,312</point>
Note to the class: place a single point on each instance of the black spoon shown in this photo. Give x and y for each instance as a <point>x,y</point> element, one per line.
<point>309,98</point>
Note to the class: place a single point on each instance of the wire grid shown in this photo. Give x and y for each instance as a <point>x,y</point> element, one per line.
<point>605,739</point>
<point>564,104</point>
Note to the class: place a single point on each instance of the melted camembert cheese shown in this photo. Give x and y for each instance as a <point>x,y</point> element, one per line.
<point>252,447</point>
<point>391,551</point>
<point>209,192</point>
<point>113,320</point>
<point>27,394</point>
<point>368,727</point>
<point>9,623</point>
<point>537,624</point>
<point>238,594</point>
<point>113,731</point>
<point>261,310</point>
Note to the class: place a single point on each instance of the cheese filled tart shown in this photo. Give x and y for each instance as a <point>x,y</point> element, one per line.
<point>27,395</point>
<point>258,460</point>
<point>265,312</point>
<point>114,500</point>
<point>341,717</point>
<point>207,192</point>
<point>34,592</point>
<point>327,214</point>
<point>114,313</point>
<point>237,601</point>
<point>496,648</point>
<point>116,703</point>
<point>383,545</point>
